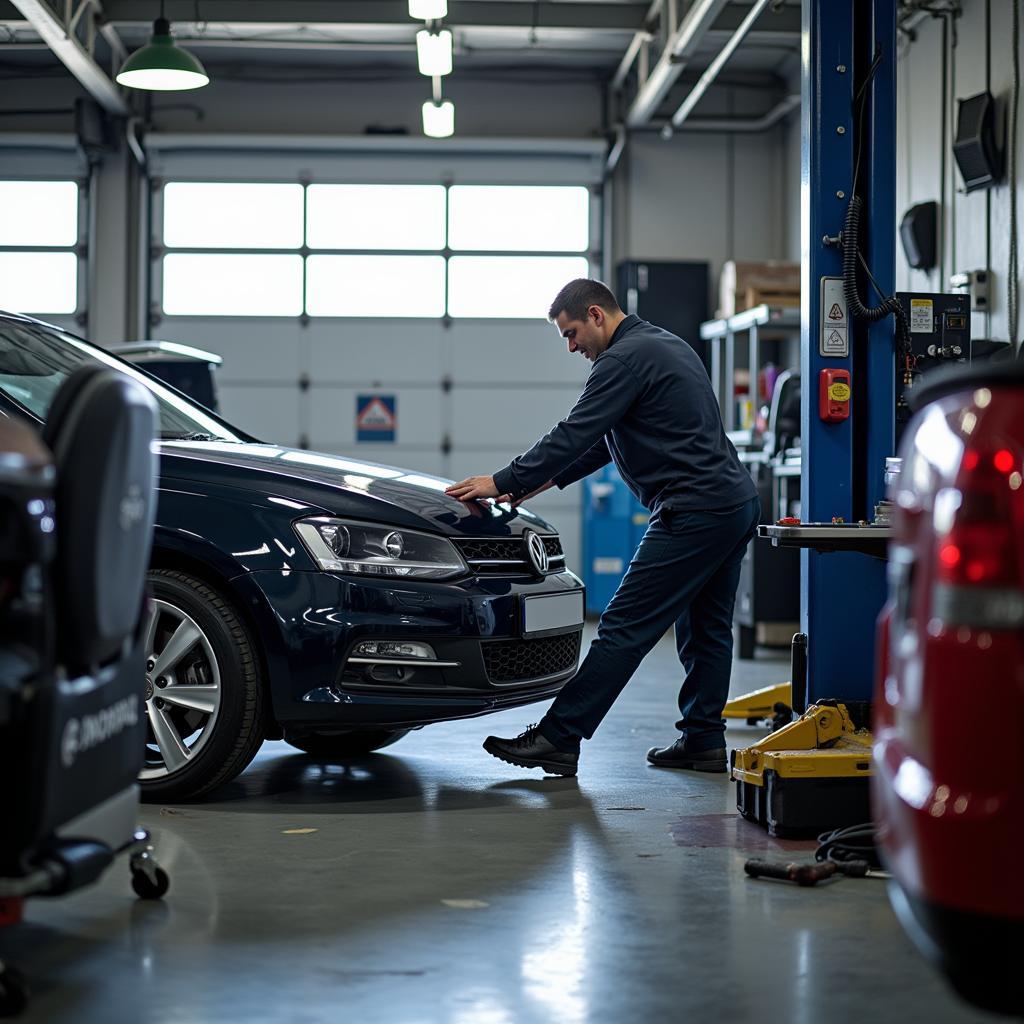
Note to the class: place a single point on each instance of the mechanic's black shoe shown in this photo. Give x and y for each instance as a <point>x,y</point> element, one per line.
<point>531,750</point>
<point>676,756</point>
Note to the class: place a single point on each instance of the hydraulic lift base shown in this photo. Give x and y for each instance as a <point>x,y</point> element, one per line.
<point>809,777</point>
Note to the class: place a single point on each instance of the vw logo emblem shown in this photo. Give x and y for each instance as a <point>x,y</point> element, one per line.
<point>536,553</point>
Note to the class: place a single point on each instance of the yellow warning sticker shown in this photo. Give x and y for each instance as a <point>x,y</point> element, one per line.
<point>922,318</point>
<point>839,392</point>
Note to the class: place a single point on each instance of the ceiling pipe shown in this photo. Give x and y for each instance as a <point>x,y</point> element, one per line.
<point>739,125</point>
<point>615,153</point>
<point>681,46</point>
<point>745,125</point>
<point>70,52</point>
<point>711,73</point>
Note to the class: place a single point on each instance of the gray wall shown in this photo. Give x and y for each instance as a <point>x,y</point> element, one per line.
<point>975,228</point>
<point>707,195</point>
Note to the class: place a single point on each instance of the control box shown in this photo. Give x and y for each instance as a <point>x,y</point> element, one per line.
<point>940,335</point>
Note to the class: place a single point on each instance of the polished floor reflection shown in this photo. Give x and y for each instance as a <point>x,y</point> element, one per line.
<point>431,883</point>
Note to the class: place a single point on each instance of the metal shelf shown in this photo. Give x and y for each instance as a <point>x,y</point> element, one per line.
<point>758,323</point>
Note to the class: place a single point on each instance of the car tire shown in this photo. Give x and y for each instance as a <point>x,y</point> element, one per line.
<point>220,670</point>
<point>345,745</point>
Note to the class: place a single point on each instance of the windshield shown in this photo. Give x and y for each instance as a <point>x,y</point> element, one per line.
<point>35,360</point>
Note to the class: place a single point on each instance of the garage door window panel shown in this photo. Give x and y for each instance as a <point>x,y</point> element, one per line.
<point>38,233</point>
<point>369,250</point>
<point>232,215</point>
<point>232,284</point>
<point>523,218</point>
<point>39,213</point>
<point>375,286</point>
<point>375,217</point>
<point>39,282</point>
<point>509,286</point>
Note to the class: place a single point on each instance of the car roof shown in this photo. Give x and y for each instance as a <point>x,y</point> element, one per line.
<point>6,314</point>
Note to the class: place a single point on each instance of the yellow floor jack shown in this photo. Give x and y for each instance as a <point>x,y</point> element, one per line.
<point>810,776</point>
<point>761,706</point>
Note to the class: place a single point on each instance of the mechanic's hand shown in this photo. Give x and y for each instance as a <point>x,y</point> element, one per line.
<point>473,487</point>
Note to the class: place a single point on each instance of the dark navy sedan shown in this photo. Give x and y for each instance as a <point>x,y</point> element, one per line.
<point>329,601</point>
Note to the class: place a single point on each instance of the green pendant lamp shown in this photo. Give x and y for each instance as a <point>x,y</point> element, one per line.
<point>163,65</point>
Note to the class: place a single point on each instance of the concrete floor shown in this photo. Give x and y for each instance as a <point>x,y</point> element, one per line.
<point>432,883</point>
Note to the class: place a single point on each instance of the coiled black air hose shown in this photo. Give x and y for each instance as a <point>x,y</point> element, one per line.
<point>851,256</point>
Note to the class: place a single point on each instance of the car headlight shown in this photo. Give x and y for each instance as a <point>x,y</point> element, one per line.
<point>339,545</point>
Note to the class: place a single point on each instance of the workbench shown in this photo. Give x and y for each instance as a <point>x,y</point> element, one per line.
<point>864,538</point>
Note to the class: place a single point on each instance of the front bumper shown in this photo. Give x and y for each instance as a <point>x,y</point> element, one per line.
<point>474,626</point>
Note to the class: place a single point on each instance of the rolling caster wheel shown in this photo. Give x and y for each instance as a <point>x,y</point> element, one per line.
<point>150,888</point>
<point>13,991</point>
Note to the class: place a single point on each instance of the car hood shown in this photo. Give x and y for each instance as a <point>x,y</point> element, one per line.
<point>339,485</point>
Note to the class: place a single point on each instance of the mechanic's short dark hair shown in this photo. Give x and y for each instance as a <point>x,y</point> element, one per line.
<point>578,296</point>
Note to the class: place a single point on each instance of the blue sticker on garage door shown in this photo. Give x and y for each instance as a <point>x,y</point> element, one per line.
<point>376,419</point>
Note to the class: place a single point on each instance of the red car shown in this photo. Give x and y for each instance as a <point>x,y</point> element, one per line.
<point>948,790</point>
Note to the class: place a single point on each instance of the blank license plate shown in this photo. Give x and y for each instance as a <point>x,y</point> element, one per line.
<point>552,612</point>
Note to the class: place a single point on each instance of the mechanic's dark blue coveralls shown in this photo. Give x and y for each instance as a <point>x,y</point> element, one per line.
<point>648,406</point>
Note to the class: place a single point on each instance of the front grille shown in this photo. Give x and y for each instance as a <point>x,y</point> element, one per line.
<point>504,556</point>
<point>511,661</point>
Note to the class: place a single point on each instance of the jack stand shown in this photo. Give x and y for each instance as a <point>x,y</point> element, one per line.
<point>809,777</point>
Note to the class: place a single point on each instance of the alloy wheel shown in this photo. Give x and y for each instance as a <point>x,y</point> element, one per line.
<point>183,690</point>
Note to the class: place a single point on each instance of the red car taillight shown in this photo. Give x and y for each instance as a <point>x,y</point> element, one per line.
<point>978,577</point>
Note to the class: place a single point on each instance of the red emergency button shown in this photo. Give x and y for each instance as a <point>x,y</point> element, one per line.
<point>834,395</point>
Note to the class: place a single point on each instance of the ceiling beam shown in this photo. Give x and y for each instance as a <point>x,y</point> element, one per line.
<point>714,68</point>
<point>73,55</point>
<point>588,14</point>
<point>679,49</point>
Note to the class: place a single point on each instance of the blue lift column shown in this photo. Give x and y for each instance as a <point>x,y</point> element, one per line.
<point>843,462</point>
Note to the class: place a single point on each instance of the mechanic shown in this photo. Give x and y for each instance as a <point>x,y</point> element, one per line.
<point>648,406</point>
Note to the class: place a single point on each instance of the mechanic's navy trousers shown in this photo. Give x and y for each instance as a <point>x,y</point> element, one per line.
<point>685,571</point>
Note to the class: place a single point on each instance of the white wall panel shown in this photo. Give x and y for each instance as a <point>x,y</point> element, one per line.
<point>270,413</point>
<point>510,416</point>
<point>254,351</point>
<point>512,350</point>
<point>376,351</point>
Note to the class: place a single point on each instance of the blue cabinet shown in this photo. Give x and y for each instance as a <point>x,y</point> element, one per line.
<point>613,523</point>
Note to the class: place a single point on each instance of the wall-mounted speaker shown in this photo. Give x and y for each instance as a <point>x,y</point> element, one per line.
<point>977,148</point>
<point>918,232</point>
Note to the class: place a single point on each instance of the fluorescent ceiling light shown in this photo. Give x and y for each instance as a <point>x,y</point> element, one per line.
<point>428,10</point>
<point>439,119</point>
<point>162,66</point>
<point>434,52</point>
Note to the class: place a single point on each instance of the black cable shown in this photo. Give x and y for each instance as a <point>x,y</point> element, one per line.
<point>851,257</point>
<point>847,844</point>
<point>851,236</point>
<point>871,277</point>
<point>860,108</point>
